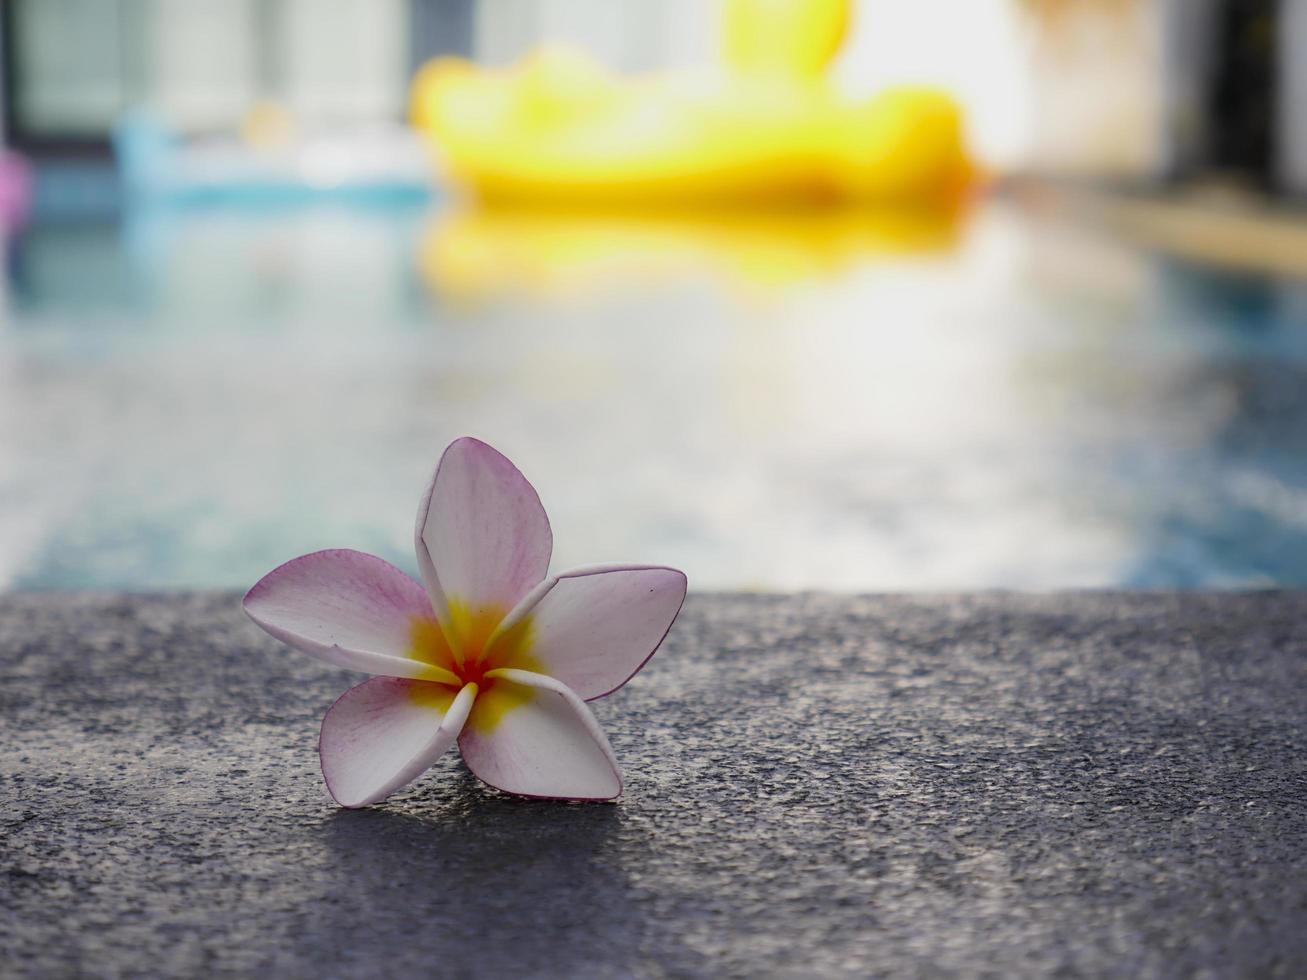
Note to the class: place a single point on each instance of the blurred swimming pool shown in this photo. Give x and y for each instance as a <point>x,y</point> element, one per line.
<point>189,398</point>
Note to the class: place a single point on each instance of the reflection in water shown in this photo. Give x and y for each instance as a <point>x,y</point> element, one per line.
<point>485,251</point>
<point>995,402</point>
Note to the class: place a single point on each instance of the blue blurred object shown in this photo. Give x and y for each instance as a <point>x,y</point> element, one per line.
<point>374,165</point>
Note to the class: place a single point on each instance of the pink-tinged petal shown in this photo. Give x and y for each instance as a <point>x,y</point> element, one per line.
<point>531,735</point>
<point>426,567</point>
<point>594,628</point>
<point>483,539</point>
<point>386,732</point>
<point>347,608</point>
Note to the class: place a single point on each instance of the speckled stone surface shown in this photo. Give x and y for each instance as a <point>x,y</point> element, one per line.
<point>816,786</point>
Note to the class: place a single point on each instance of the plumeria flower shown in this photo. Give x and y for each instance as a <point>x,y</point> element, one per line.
<point>491,653</point>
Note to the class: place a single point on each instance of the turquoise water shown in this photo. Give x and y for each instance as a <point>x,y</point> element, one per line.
<point>189,398</point>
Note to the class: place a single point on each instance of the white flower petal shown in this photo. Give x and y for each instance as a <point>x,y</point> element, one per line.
<point>594,628</point>
<point>531,735</point>
<point>347,608</point>
<point>483,539</point>
<point>386,732</point>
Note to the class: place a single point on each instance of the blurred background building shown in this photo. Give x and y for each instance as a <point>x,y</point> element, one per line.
<point>1138,89</point>
<point>246,303</point>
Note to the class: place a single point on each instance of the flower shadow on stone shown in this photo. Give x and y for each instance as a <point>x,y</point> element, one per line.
<point>484,884</point>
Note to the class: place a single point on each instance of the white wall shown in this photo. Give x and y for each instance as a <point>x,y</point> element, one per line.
<point>344,60</point>
<point>200,60</point>
<point>624,35</point>
<point>1098,89</point>
<point>979,50</point>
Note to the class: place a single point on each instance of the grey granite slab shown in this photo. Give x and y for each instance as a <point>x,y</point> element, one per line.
<point>1094,784</point>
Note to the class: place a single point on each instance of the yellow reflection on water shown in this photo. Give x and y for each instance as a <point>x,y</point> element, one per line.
<point>480,252</point>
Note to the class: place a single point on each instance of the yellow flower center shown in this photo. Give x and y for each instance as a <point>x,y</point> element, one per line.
<point>467,649</point>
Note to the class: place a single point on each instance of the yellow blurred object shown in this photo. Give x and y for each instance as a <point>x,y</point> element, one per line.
<point>794,37</point>
<point>770,129</point>
<point>268,125</point>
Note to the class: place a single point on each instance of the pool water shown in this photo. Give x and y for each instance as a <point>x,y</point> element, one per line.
<point>189,398</point>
